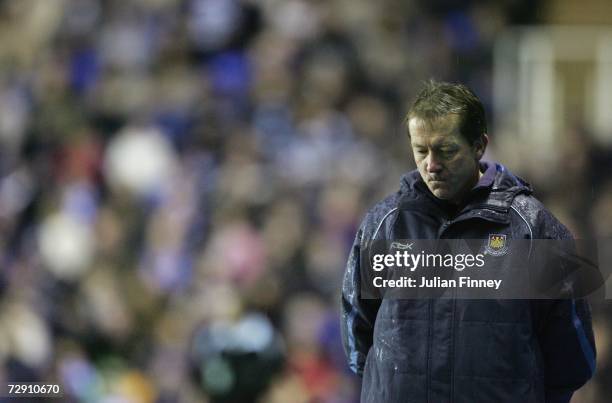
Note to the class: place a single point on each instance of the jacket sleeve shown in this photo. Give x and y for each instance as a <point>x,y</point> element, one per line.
<point>568,348</point>
<point>565,336</point>
<point>358,315</point>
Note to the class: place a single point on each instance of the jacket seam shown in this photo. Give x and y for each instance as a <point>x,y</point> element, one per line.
<point>381,223</point>
<point>390,230</point>
<point>528,227</point>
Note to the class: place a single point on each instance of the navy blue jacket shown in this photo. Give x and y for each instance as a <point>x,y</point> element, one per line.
<point>452,350</point>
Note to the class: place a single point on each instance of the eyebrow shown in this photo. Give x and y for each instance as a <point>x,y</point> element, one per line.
<point>440,144</point>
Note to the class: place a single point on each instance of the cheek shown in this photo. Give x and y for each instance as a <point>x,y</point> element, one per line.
<point>420,162</point>
<point>460,165</point>
<point>459,168</point>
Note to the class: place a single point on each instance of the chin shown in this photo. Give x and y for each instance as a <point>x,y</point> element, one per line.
<point>440,194</point>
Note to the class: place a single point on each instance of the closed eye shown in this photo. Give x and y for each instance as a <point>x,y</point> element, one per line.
<point>447,151</point>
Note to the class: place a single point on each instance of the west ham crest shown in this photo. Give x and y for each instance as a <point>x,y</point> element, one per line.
<point>496,245</point>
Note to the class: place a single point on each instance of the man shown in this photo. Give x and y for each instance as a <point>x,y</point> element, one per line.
<point>459,350</point>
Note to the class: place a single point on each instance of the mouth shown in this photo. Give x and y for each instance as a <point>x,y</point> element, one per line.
<point>436,184</point>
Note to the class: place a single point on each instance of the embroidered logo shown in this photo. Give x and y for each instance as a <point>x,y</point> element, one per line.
<point>401,246</point>
<point>496,246</point>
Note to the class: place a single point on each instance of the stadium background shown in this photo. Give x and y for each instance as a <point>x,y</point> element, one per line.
<point>180,181</point>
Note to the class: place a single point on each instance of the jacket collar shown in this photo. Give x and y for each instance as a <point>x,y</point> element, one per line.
<point>495,190</point>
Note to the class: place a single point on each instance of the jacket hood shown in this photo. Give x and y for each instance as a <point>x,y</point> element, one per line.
<point>501,193</point>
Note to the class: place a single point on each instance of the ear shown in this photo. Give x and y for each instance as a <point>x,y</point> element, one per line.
<point>480,146</point>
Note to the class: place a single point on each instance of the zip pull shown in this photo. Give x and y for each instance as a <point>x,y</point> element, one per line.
<point>443,227</point>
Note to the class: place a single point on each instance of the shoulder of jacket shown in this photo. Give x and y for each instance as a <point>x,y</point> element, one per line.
<point>377,214</point>
<point>541,221</point>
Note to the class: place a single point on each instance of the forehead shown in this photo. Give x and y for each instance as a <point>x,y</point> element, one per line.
<point>441,130</point>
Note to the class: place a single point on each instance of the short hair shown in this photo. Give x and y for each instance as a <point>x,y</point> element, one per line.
<point>438,99</point>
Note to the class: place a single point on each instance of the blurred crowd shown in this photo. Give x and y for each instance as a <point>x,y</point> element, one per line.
<point>181,180</point>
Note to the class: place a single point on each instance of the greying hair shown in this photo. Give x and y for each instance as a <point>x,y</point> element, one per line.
<point>438,99</point>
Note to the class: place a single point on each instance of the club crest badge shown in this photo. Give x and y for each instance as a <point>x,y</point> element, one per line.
<point>496,245</point>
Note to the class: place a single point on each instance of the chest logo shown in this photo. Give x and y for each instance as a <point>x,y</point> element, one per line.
<point>496,245</point>
<point>401,246</point>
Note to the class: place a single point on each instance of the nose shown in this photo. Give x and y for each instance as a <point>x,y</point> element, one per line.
<point>433,166</point>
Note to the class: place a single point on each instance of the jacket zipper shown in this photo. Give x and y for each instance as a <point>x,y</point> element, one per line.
<point>447,223</point>
<point>441,230</point>
<point>444,227</point>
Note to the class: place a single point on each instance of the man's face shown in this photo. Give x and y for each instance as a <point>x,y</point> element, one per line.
<point>446,161</point>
